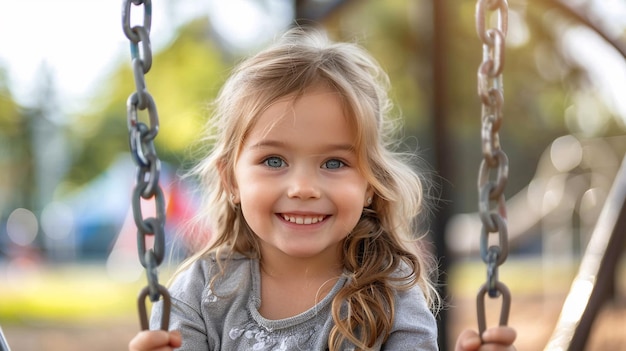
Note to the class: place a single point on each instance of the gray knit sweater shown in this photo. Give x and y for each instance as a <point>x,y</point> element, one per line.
<point>228,318</point>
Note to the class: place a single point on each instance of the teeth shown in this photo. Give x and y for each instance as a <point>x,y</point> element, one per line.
<point>303,219</point>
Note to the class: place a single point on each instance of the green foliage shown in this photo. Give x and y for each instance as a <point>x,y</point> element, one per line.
<point>393,32</point>
<point>184,77</point>
<point>10,117</point>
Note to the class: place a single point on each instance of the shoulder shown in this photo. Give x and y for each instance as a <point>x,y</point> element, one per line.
<point>414,323</point>
<point>196,276</point>
<point>410,298</point>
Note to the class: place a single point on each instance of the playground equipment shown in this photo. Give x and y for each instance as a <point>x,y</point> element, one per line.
<point>597,270</point>
<point>4,346</point>
<point>141,141</point>
<point>491,201</point>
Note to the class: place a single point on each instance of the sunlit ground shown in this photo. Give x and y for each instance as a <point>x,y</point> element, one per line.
<point>80,307</point>
<point>538,291</point>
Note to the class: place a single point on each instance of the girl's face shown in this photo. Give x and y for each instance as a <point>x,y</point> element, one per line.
<point>297,178</point>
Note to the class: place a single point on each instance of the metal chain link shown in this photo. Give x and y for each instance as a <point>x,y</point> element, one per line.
<point>141,141</point>
<point>494,167</point>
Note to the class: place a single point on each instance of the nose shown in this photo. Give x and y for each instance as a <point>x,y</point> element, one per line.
<point>303,185</point>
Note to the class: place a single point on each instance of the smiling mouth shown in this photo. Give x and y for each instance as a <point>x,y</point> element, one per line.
<point>297,219</point>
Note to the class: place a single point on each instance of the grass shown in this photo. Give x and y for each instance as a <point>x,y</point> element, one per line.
<point>65,294</point>
<point>75,293</point>
<point>526,276</point>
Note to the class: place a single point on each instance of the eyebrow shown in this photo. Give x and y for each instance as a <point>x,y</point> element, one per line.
<point>277,143</point>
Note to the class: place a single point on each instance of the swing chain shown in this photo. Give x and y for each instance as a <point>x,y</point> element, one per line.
<point>494,167</point>
<point>141,142</point>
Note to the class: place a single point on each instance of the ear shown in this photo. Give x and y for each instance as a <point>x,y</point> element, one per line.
<point>228,182</point>
<point>369,197</point>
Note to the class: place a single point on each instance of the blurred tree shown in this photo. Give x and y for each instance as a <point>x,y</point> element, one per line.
<point>187,74</point>
<point>184,78</point>
<point>15,150</point>
<point>540,80</point>
<point>10,116</point>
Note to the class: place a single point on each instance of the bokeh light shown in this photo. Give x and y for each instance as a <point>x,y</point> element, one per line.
<point>22,226</point>
<point>57,221</point>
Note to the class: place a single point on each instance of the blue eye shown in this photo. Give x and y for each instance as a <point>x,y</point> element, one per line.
<point>274,162</point>
<point>333,164</point>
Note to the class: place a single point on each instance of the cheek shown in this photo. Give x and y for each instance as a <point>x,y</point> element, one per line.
<point>240,176</point>
<point>256,198</point>
<point>350,200</point>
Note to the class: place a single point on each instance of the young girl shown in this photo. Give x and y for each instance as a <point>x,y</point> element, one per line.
<point>312,216</point>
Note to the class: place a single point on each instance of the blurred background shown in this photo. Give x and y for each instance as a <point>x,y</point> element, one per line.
<point>69,271</point>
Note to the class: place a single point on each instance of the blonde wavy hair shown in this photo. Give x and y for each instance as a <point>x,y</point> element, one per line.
<point>385,241</point>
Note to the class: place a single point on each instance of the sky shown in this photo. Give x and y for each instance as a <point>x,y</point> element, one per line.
<point>78,40</point>
<point>82,40</point>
